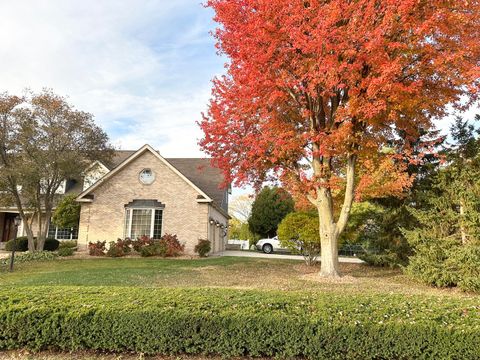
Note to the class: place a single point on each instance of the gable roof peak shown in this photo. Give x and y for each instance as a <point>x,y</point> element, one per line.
<point>132,157</point>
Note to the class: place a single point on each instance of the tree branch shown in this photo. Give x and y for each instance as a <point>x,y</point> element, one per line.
<point>349,194</point>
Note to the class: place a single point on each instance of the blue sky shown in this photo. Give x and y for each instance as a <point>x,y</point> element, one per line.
<point>143,68</point>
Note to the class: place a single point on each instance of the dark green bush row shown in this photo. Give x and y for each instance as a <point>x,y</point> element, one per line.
<point>447,266</point>
<point>22,244</point>
<point>239,323</point>
<point>386,259</point>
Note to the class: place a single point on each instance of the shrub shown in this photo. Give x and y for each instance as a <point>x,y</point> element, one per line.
<point>97,249</point>
<point>22,244</point>
<point>172,246</point>
<point>51,244</point>
<point>153,250</point>
<point>68,244</point>
<point>467,263</point>
<point>123,246</point>
<point>119,248</point>
<point>203,247</point>
<point>378,229</point>
<point>65,251</point>
<point>298,232</point>
<point>114,250</point>
<point>141,242</point>
<point>429,265</point>
<point>167,246</point>
<point>387,259</point>
<point>444,262</point>
<point>268,324</point>
<point>32,256</point>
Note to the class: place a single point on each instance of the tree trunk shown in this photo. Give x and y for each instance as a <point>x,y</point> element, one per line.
<point>26,225</point>
<point>44,221</point>
<point>328,235</point>
<point>29,231</point>
<point>329,257</point>
<point>329,229</point>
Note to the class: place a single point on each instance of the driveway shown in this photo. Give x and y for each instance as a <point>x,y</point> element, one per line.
<point>258,254</point>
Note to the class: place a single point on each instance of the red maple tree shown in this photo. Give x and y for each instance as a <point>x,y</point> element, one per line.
<point>326,95</point>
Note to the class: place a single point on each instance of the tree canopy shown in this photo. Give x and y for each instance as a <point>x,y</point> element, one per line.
<point>298,232</point>
<point>446,240</point>
<point>67,213</point>
<point>44,141</point>
<point>328,95</point>
<point>271,205</point>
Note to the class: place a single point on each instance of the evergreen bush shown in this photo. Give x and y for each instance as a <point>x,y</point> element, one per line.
<point>264,324</point>
<point>22,244</point>
<point>65,251</point>
<point>68,244</point>
<point>203,247</point>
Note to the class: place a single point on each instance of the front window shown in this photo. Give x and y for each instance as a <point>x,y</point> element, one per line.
<point>143,222</point>
<point>55,232</point>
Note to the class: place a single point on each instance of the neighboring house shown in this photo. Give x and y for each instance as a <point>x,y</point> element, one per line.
<point>142,193</point>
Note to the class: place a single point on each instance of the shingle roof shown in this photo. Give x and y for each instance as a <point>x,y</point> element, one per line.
<point>207,177</point>
<point>119,156</point>
<point>199,171</point>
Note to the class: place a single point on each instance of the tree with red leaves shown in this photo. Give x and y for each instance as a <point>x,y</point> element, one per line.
<point>327,95</point>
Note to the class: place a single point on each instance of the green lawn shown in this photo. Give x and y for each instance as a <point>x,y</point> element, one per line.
<point>224,272</point>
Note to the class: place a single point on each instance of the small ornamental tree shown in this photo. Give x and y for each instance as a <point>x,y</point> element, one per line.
<point>269,208</point>
<point>299,233</point>
<point>67,213</point>
<point>328,95</point>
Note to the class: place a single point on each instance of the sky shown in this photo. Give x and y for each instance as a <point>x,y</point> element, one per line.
<point>142,68</point>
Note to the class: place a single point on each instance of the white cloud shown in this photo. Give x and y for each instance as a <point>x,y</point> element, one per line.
<point>143,68</point>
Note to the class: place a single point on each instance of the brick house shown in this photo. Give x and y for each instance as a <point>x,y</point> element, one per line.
<point>142,193</point>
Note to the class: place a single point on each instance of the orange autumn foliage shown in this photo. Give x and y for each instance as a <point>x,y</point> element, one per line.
<point>326,80</point>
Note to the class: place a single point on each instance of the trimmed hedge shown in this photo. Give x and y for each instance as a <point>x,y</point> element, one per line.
<point>22,244</point>
<point>239,323</point>
<point>31,256</point>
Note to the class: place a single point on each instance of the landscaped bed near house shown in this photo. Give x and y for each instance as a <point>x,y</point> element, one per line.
<point>232,307</point>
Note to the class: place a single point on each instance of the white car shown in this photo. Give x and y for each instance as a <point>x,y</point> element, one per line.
<point>268,246</point>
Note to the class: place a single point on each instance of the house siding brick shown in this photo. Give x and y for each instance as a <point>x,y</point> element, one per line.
<point>103,219</point>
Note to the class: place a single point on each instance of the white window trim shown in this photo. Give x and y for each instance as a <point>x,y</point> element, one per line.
<point>152,223</point>
<point>56,233</point>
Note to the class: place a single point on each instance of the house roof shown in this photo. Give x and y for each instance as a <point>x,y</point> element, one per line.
<point>198,171</point>
<point>204,175</point>
<point>119,156</point>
